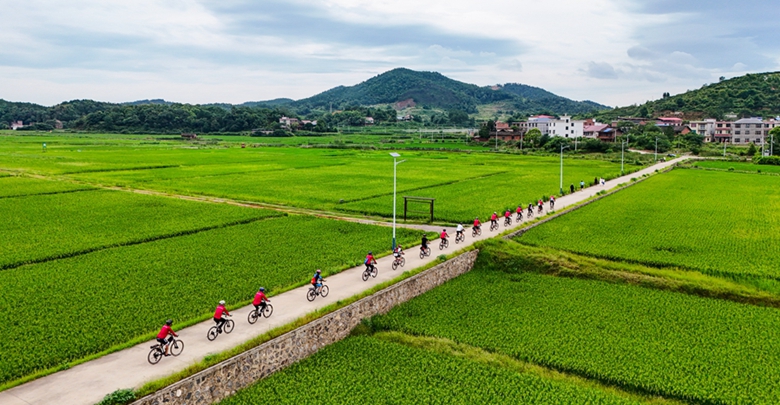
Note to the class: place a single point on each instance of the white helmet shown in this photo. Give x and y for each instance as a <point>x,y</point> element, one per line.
<point>222,302</point>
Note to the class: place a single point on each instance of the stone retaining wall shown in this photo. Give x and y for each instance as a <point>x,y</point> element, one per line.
<point>224,379</point>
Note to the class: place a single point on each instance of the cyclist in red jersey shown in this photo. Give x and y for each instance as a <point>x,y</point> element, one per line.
<point>476,223</point>
<point>164,332</point>
<point>218,315</point>
<point>260,300</point>
<point>370,261</point>
<point>493,218</point>
<point>443,235</point>
<point>507,214</point>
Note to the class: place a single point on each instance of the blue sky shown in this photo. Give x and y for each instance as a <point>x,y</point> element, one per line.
<point>616,52</point>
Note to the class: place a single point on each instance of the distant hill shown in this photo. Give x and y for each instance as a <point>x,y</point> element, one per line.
<point>432,89</point>
<point>750,95</point>
<point>157,101</point>
<point>268,103</point>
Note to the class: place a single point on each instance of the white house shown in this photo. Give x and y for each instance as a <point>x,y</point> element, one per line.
<point>567,127</point>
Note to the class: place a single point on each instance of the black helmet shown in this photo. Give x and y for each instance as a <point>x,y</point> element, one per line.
<point>371,253</point>
<point>169,322</point>
<point>262,288</point>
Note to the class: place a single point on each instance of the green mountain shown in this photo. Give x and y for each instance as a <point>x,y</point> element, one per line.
<point>752,95</point>
<point>432,89</point>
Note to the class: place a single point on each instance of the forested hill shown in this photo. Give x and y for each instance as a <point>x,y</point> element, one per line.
<point>432,89</point>
<point>750,95</point>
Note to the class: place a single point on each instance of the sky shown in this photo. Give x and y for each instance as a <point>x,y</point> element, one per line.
<point>615,52</point>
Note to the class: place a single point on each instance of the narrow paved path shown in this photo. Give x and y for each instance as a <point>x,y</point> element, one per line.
<point>87,383</point>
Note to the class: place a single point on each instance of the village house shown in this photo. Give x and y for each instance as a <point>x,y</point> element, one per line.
<point>17,124</point>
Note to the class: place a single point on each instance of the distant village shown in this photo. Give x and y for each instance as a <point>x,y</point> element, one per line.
<point>739,132</point>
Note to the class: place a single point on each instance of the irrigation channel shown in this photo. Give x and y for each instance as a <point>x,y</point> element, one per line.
<point>88,383</point>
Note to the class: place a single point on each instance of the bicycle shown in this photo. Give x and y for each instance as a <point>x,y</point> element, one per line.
<point>313,293</point>
<point>460,237</point>
<point>519,217</point>
<point>493,225</point>
<point>158,350</point>
<point>475,231</point>
<point>530,213</point>
<point>444,243</point>
<point>424,251</point>
<point>540,210</point>
<point>370,271</point>
<point>552,205</point>
<point>399,261</point>
<point>507,221</point>
<point>256,314</point>
<point>214,331</point>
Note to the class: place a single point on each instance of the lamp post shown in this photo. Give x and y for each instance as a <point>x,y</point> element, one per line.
<point>562,148</point>
<point>623,144</point>
<point>725,141</point>
<point>395,177</point>
<point>656,149</point>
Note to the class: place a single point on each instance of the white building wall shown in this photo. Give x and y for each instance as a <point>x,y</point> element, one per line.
<point>567,127</point>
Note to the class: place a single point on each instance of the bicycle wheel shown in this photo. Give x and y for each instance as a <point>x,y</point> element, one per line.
<point>325,290</point>
<point>403,262</point>
<point>395,264</point>
<point>422,254</point>
<point>269,309</point>
<point>252,317</point>
<point>374,272</point>
<point>441,245</point>
<point>154,355</point>
<point>228,326</point>
<point>366,274</point>
<point>177,346</point>
<point>473,233</point>
<point>311,295</point>
<point>212,333</point>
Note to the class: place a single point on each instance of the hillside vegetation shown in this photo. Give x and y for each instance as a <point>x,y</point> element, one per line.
<point>750,95</point>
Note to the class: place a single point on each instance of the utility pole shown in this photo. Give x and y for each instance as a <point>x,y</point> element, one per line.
<point>562,148</point>
<point>656,149</point>
<point>622,153</point>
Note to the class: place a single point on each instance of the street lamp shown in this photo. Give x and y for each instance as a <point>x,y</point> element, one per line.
<point>623,144</point>
<point>656,149</point>
<point>395,177</point>
<point>562,148</point>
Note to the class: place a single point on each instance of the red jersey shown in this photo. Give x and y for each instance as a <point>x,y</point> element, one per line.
<point>259,298</point>
<point>220,310</point>
<point>444,235</point>
<point>493,217</point>
<point>166,329</point>
<point>519,209</point>
<point>476,222</point>
<point>507,214</point>
<point>370,259</point>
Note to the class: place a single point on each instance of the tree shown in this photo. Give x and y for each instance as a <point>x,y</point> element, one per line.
<point>752,149</point>
<point>775,140</point>
<point>533,136</point>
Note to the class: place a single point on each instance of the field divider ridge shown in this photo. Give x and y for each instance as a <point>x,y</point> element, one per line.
<point>49,193</point>
<point>11,266</point>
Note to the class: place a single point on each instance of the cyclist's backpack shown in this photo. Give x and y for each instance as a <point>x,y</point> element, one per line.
<point>365,261</point>
<point>314,280</point>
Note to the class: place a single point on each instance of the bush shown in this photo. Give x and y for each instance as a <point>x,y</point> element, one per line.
<point>118,397</point>
<point>767,160</point>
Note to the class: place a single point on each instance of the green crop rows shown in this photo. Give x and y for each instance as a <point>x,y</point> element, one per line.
<point>714,222</point>
<point>367,370</point>
<point>658,342</point>
<point>43,227</point>
<point>88,303</point>
<point>737,166</point>
<point>22,186</point>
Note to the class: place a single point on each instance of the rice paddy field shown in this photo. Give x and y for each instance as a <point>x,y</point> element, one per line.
<point>736,166</point>
<point>676,346</point>
<point>354,182</point>
<point>718,223</point>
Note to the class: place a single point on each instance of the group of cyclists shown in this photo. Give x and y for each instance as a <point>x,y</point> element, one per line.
<point>260,301</point>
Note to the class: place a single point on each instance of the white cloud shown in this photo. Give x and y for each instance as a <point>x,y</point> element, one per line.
<point>237,50</point>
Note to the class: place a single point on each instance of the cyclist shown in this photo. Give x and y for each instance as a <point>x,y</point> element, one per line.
<point>552,201</point>
<point>443,235</point>
<point>398,251</point>
<point>582,185</point>
<point>507,215</point>
<point>370,261</point>
<point>476,223</point>
<point>316,281</point>
<point>494,219</point>
<point>459,231</point>
<point>424,244</point>
<point>530,209</point>
<point>571,188</point>
<point>519,211</point>
<point>164,332</point>
<point>260,300</point>
<point>218,315</point>
<point>540,206</point>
